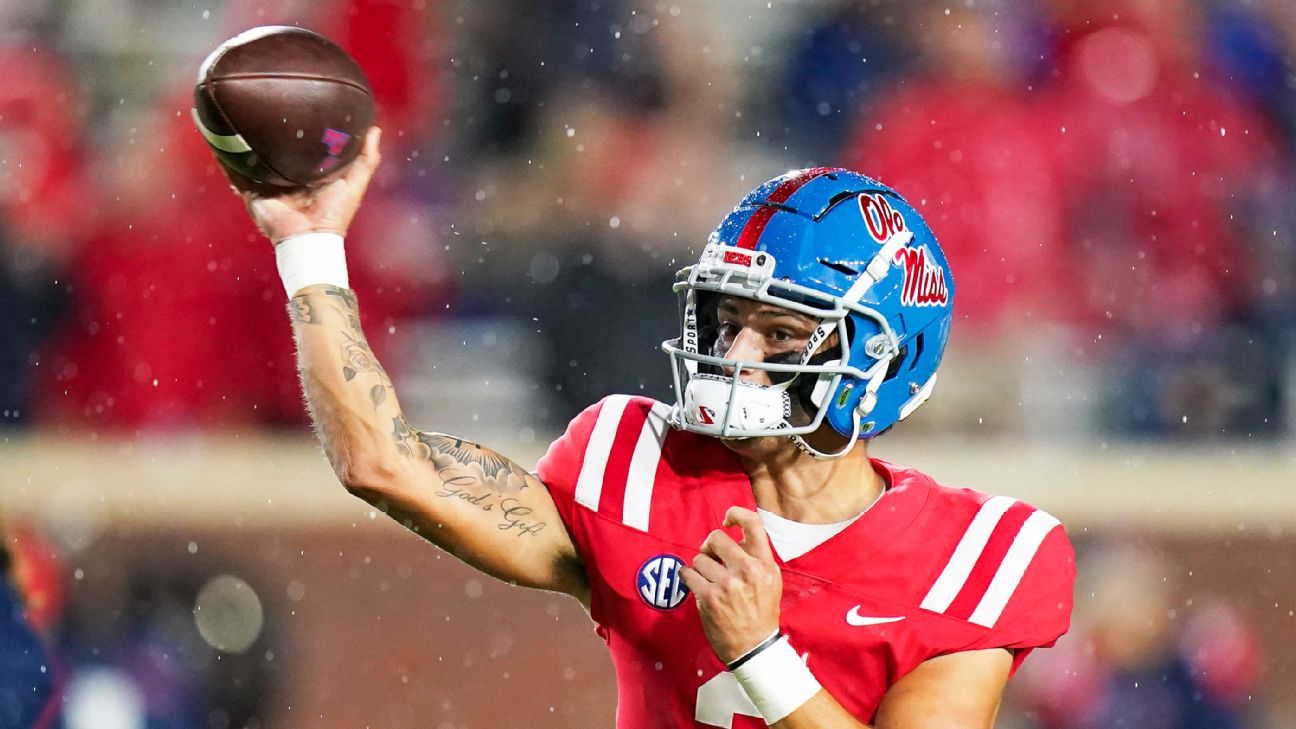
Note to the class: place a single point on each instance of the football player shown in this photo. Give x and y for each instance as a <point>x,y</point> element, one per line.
<point>746,560</point>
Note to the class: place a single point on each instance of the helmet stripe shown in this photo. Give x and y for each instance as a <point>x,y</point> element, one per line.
<point>751,232</point>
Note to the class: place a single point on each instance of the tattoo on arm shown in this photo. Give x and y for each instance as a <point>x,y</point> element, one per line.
<point>467,472</point>
<point>475,475</point>
<point>500,471</point>
<point>300,311</point>
<point>304,307</point>
<point>448,453</point>
<point>357,356</point>
<point>347,300</point>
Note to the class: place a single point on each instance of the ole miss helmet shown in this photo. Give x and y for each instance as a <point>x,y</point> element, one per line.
<point>846,250</point>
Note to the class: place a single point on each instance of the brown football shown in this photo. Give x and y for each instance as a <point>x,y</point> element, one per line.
<point>283,106</point>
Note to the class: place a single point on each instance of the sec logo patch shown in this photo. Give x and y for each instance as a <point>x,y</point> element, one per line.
<point>659,582</point>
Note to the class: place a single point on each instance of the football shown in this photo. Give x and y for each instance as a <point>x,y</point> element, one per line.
<point>283,106</point>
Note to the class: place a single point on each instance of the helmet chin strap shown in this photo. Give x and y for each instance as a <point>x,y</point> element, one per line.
<point>820,455</point>
<point>867,402</point>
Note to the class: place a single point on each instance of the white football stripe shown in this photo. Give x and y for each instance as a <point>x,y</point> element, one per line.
<point>232,143</point>
<point>643,468</point>
<point>590,482</point>
<point>1014,565</point>
<point>246,36</point>
<point>965,556</point>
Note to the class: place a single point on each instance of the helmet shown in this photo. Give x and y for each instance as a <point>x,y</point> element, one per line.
<point>850,252</point>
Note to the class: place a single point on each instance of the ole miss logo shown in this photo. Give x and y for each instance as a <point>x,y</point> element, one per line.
<point>883,221</point>
<point>924,279</point>
<point>659,583</point>
<point>335,141</point>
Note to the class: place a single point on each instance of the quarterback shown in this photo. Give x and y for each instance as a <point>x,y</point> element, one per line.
<point>744,558</point>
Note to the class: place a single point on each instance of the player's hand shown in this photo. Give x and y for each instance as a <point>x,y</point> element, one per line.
<point>281,213</point>
<point>737,586</point>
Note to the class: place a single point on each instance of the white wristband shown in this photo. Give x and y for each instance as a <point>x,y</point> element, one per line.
<point>777,681</point>
<point>311,258</point>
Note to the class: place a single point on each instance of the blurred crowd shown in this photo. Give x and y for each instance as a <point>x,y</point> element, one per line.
<point>1110,180</point>
<point>1146,650</point>
<point>169,643</point>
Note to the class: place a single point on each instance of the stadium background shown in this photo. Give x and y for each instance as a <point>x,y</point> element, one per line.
<point>1113,182</point>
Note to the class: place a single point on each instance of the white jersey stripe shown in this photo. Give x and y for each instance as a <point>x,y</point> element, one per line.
<point>965,556</point>
<point>589,485</point>
<point>643,468</point>
<point>1014,565</point>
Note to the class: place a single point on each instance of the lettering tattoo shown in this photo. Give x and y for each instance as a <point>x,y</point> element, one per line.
<point>514,517</point>
<point>472,474</point>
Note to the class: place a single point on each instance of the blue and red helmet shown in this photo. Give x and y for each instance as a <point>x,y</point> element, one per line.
<point>842,248</point>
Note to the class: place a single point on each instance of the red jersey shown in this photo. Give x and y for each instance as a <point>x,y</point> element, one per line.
<point>927,570</point>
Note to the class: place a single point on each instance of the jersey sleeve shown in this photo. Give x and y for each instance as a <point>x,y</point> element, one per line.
<point>586,472</point>
<point>1038,611</point>
<point>559,470</point>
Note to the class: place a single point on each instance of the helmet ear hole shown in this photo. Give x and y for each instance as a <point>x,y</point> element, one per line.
<point>918,350</point>
<point>893,368</point>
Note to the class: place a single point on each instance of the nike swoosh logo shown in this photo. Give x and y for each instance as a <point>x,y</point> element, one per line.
<point>854,618</point>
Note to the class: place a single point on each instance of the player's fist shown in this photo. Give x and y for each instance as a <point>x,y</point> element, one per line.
<point>281,213</point>
<point>737,586</point>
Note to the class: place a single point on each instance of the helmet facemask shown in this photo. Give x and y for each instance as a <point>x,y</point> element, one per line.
<point>712,401</point>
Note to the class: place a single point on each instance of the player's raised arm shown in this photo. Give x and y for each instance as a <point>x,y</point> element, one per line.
<point>469,500</point>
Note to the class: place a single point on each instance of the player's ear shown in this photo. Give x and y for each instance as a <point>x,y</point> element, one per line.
<point>829,344</point>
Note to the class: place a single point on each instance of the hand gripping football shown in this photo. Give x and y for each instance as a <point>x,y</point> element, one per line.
<point>283,106</point>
